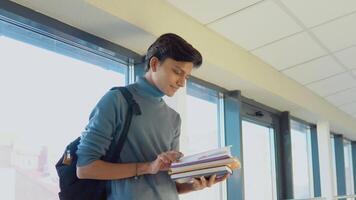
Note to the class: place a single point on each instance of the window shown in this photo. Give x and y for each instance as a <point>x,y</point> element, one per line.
<point>48,89</point>
<point>202,123</point>
<point>258,135</point>
<point>199,110</point>
<point>302,161</point>
<point>259,168</point>
<point>348,168</point>
<point>332,140</point>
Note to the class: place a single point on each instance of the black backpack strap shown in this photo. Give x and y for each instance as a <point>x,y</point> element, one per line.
<point>117,144</point>
<point>130,100</point>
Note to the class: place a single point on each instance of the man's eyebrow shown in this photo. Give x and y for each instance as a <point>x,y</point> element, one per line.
<point>176,66</point>
<point>185,73</point>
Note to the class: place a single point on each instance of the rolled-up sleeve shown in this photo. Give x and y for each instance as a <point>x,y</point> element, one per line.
<point>104,120</point>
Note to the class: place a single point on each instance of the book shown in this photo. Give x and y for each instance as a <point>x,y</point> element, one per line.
<point>203,157</point>
<point>219,171</point>
<point>224,162</point>
<point>216,161</point>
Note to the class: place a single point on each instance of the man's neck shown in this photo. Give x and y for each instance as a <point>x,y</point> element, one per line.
<point>148,77</point>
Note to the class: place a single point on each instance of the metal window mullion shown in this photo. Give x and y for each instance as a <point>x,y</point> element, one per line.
<point>353,155</point>
<point>131,72</point>
<point>137,71</point>
<point>273,163</point>
<point>221,120</point>
<point>222,143</point>
<point>232,119</point>
<point>340,164</point>
<point>310,164</point>
<point>351,168</point>
<point>284,156</point>
<point>315,161</point>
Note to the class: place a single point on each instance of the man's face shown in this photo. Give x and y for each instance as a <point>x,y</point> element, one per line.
<point>170,75</point>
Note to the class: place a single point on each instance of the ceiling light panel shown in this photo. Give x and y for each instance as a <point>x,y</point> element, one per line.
<point>206,11</point>
<point>314,70</point>
<point>342,98</point>
<point>333,84</point>
<point>338,34</point>
<point>314,12</point>
<point>257,25</point>
<point>290,51</point>
<point>348,57</point>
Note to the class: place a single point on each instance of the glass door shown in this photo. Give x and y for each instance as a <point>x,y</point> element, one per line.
<point>259,127</point>
<point>258,161</point>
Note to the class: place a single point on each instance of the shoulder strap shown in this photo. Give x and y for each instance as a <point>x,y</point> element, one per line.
<point>117,144</point>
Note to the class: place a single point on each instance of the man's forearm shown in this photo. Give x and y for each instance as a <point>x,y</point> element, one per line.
<point>101,170</point>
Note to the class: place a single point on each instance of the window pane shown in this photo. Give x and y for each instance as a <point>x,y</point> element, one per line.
<point>46,99</point>
<point>348,168</point>
<point>201,132</point>
<point>301,154</point>
<point>259,168</point>
<point>202,125</point>
<point>333,163</point>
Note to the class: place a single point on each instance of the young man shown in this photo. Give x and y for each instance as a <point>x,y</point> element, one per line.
<point>152,143</point>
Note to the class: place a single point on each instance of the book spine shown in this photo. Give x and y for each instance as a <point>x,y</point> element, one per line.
<point>175,165</point>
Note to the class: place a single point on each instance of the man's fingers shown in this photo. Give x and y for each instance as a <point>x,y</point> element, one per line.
<point>211,180</point>
<point>220,179</point>
<point>203,181</point>
<point>164,158</point>
<point>174,155</point>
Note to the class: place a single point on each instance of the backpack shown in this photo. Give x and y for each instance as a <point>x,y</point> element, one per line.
<point>73,188</point>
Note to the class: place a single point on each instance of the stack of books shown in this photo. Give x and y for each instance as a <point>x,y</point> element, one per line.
<point>217,161</point>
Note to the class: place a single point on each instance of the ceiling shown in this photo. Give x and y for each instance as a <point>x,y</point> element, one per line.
<point>311,41</point>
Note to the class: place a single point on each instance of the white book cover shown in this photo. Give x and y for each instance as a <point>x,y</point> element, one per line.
<point>216,163</point>
<point>202,172</point>
<point>206,156</point>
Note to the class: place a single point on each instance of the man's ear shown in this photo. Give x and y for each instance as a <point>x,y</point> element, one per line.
<point>154,62</point>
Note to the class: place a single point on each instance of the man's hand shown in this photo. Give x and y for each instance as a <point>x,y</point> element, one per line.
<point>199,183</point>
<point>163,161</point>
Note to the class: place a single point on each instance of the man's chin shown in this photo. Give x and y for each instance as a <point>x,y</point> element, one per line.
<point>170,94</point>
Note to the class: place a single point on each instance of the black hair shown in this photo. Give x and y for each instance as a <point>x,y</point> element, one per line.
<point>172,46</point>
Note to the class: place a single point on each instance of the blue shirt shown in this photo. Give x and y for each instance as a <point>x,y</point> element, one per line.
<point>155,131</point>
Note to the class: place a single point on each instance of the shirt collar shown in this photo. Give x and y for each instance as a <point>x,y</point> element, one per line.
<point>148,89</point>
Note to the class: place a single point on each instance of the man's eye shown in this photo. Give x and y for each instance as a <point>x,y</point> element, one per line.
<point>176,72</point>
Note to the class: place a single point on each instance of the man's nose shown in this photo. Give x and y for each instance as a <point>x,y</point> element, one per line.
<point>181,82</point>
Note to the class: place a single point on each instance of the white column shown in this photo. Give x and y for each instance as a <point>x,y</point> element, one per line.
<point>325,160</point>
